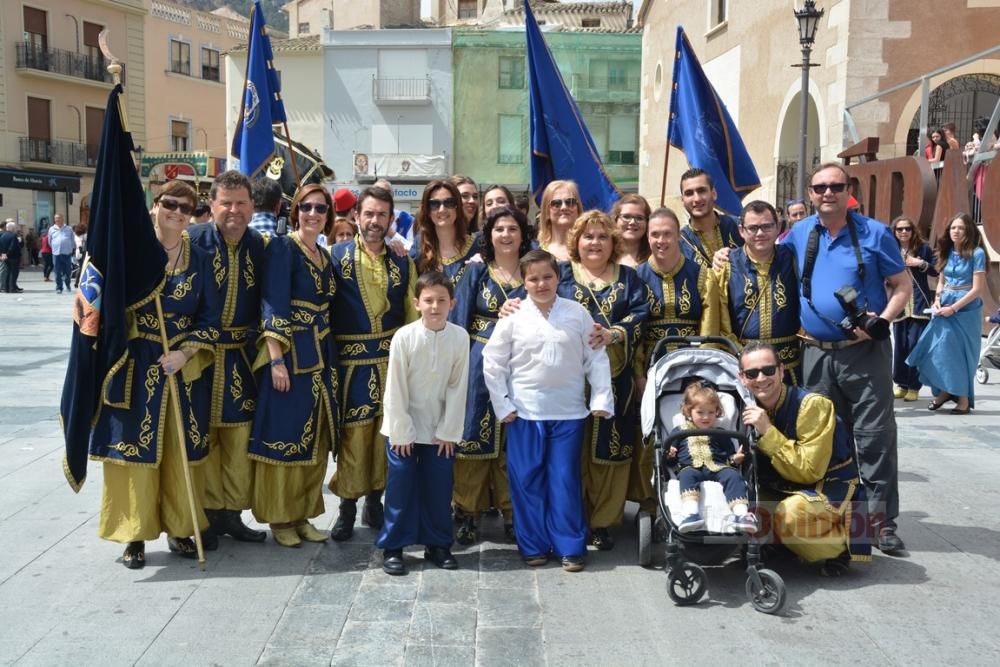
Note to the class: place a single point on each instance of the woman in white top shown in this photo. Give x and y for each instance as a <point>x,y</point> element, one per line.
<point>536,366</point>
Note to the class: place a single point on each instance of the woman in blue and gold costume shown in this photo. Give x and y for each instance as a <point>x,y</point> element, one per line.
<point>683,301</point>
<point>481,465</point>
<point>296,421</point>
<point>144,492</point>
<point>617,299</point>
<point>443,241</point>
<point>906,329</point>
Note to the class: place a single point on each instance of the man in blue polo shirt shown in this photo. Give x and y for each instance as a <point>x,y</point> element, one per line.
<point>837,248</point>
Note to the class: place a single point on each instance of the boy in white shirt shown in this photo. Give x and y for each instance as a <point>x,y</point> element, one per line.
<point>424,414</point>
<point>536,366</point>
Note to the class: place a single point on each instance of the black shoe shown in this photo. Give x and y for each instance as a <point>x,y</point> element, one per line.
<point>18,289</point>
<point>601,539</point>
<point>239,531</point>
<point>393,563</point>
<point>343,529</point>
<point>467,533</point>
<point>182,546</point>
<point>457,514</point>
<point>210,540</point>
<point>134,557</point>
<point>441,556</point>
<point>889,542</point>
<point>572,563</point>
<point>373,514</point>
<point>508,531</point>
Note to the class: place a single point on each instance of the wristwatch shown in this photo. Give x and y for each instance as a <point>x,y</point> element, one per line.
<point>277,362</point>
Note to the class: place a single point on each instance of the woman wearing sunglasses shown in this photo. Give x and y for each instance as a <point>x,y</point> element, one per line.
<point>906,330</point>
<point>144,493</point>
<point>297,414</point>
<point>615,296</point>
<point>443,241</point>
<point>560,209</point>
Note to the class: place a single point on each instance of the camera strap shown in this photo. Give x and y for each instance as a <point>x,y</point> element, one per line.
<point>812,252</point>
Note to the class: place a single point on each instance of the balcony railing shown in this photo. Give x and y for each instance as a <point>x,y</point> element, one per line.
<point>67,153</point>
<point>406,91</point>
<point>60,61</point>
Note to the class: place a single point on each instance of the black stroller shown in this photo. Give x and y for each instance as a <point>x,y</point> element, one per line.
<point>714,545</point>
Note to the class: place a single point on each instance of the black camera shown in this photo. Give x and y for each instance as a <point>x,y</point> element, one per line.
<point>858,317</point>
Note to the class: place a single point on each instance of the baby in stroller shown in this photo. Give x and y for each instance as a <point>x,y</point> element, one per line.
<point>706,458</point>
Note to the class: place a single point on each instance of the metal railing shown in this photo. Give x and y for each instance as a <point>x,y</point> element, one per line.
<point>395,90</point>
<point>60,61</point>
<point>67,153</point>
<point>622,84</point>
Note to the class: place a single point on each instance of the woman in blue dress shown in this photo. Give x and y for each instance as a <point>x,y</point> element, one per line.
<point>144,492</point>
<point>481,461</point>
<point>947,353</point>
<point>443,241</point>
<point>296,420</point>
<point>906,330</point>
<point>616,298</point>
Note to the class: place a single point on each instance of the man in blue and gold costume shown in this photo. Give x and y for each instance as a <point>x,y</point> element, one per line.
<point>707,231</point>
<point>759,289</point>
<point>374,298</point>
<point>807,466</point>
<point>237,256</point>
<point>683,301</point>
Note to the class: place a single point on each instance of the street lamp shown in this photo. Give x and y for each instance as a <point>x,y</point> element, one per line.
<point>808,19</point>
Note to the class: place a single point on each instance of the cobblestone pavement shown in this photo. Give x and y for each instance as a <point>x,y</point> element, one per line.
<point>66,600</point>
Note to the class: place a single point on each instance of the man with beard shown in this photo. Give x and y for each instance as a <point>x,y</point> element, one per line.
<point>237,253</point>
<point>375,291</point>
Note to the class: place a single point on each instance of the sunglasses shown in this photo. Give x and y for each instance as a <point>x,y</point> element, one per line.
<point>904,229</point>
<point>835,188</point>
<point>309,207</point>
<point>569,202</point>
<point>173,205</point>
<point>768,371</point>
<point>632,218</point>
<point>434,204</point>
<point>762,228</point>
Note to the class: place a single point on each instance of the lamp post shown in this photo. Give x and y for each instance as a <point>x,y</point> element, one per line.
<point>808,19</point>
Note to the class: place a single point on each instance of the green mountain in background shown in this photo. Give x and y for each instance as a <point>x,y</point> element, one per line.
<point>272,9</point>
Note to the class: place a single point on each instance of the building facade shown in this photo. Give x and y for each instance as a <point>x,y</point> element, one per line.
<point>601,70</point>
<point>311,17</point>
<point>54,88</point>
<point>615,15</point>
<point>862,47</point>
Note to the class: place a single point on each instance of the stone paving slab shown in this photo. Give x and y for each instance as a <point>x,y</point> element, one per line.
<point>66,600</point>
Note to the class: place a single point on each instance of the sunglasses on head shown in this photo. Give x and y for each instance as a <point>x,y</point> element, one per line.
<point>569,202</point>
<point>309,207</point>
<point>174,204</point>
<point>434,204</point>
<point>821,188</point>
<point>768,371</point>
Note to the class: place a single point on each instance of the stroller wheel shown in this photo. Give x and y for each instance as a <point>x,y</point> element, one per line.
<point>644,523</point>
<point>770,597</point>
<point>686,584</point>
<point>982,375</point>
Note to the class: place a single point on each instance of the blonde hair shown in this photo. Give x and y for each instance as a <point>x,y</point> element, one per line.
<point>594,217</point>
<point>544,223</point>
<point>699,393</point>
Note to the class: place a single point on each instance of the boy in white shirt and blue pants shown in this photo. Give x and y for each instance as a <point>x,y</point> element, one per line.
<point>536,366</point>
<point>424,415</point>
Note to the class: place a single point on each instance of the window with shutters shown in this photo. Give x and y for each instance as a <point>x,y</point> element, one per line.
<point>468,9</point>
<point>590,23</point>
<point>511,72</point>
<point>92,49</point>
<point>210,64</point>
<point>180,57</point>
<point>38,148</point>
<point>180,135</point>
<point>36,32</point>
<point>95,121</point>
<point>623,139</point>
<point>510,140</point>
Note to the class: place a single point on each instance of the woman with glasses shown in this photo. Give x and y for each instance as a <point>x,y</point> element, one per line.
<point>560,209</point>
<point>481,461</point>
<point>443,241</point>
<point>947,353</point>
<point>469,195</point>
<point>616,298</point>
<point>297,415</point>
<point>631,213</point>
<point>144,492</point>
<point>906,330</point>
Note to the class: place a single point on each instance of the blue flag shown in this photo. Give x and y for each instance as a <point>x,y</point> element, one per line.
<point>125,265</point>
<point>253,142</point>
<point>700,126</point>
<point>561,146</point>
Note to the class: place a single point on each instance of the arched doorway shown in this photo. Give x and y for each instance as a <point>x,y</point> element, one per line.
<point>967,101</point>
<point>786,170</point>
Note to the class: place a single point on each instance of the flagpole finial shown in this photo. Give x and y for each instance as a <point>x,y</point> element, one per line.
<point>114,64</point>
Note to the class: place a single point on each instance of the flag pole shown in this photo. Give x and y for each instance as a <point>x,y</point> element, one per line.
<point>115,69</point>
<point>666,160</point>
<point>291,156</point>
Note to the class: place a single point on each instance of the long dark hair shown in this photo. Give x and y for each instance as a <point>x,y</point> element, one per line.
<point>458,179</point>
<point>917,240</point>
<point>489,252</point>
<point>430,250</point>
<point>945,245</point>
